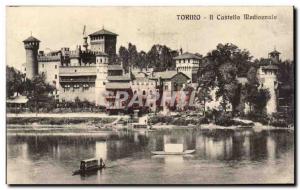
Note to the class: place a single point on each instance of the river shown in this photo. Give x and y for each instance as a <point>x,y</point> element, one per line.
<point>223,156</point>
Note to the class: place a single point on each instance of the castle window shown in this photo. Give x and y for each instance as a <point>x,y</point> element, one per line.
<point>55,66</point>
<point>55,76</point>
<point>85,87</point>
<point>66,88</point>
<point>43,65</point>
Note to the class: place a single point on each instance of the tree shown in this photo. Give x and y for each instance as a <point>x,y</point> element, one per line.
<point>142,60</point>
<point>124,57</point>
<point>39,92</point>
<point>203,96</point>
<point>14,82</point>
<point>224,64</point>
<point>132,55</point>
<point>228,87</point>
<point>160,57</point>
<point>261,100</point>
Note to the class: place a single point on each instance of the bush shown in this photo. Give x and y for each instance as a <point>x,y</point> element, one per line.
<point>224,119</point>
<point>258,117</point>
<point>57,121</point>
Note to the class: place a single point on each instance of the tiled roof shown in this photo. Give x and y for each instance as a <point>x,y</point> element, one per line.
<point>187,55</point>
<point>103,32</point>
<point>119,78</point>
<point>274,52</point>
<point>31,39</point>
<point>270,67</point>
<point>166,75</point>
<point>117,85</point>
<point>115,67</point>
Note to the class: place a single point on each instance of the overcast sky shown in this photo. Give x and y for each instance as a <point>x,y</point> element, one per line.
<point>58,27</point>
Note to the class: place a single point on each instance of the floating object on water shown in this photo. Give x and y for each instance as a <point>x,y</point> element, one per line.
<point>90,165</point>
<point>173,153</point>
<point>173,149</point>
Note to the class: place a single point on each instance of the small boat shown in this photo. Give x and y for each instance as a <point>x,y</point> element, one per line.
<point>173,149</point>
<point>89,165</point>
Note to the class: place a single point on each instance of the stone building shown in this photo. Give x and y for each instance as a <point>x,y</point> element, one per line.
<point>168,83</point>
<point>145,89</point>
<point>31,45</point>
<point>188,64</point>
<point>79,73</point>
<point>267,76</point>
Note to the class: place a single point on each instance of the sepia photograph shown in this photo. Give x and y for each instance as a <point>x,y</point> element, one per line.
<point>115,95</point>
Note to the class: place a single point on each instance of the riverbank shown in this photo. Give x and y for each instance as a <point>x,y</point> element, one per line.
<point>157,121</point>
<point>58,120</point>
<point>63,115</point>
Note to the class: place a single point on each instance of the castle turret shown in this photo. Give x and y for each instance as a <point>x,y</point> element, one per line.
<point>101,79</point>
<point>274,56</point>
<point>104,41</point>
<point>85,43</point>
<point>31,45</point>
<point>267,75</point>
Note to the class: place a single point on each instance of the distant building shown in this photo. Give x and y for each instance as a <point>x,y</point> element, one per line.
<point>145,89</point>
<point>104,41</point>
<point>75,73</point>
<point>188,64</point>
<point>168,83</point>
<point>31,45</point>
<point>267,76</point>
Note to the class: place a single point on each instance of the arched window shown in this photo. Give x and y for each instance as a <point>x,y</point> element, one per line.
<point>144,92</point>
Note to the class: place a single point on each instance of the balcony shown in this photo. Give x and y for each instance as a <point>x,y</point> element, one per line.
<point>77,80</point>
<point>77,71</point>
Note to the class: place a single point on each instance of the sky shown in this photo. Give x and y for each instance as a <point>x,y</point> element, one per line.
<point>58,27</point>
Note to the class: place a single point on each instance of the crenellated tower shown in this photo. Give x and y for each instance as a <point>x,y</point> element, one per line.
<point>31,45</point>
<point>101,79</point>
<point>104,41</point>
<point>267,75</point>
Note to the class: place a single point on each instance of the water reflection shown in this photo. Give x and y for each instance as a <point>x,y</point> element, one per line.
<point>60,155</point>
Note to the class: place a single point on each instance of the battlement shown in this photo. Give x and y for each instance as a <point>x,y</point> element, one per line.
<point>31,45</point>
<point>49,58</point>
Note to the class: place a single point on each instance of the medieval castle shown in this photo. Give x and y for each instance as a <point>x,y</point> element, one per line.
<point>88,71</point>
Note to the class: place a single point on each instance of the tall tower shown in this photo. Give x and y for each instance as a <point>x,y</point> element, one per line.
<point>104,41</point>
<point>101,79</point>
<point>274,56</point>
<point>31,45</point>
<point>267,76</point>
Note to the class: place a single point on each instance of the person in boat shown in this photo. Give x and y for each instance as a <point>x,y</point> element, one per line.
<point>102,164</point>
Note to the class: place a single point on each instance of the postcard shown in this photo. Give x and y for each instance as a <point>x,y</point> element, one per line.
<point>150,95</point>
